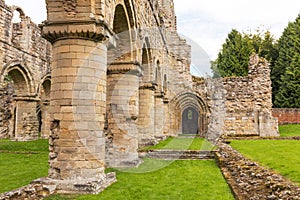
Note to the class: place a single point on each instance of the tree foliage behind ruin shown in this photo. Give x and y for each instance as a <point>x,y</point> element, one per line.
<point>283,55</point>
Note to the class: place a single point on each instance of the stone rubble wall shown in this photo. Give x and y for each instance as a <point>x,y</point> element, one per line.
<point>250,181</point>
<point>287,115</point>
<point>247,109</point>
<point>31,191</point>
<point>6,98</point>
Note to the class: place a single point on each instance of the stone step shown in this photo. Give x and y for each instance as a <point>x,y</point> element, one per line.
<point>177,154</point>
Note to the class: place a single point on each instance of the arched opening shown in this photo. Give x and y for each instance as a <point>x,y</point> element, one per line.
<point>42,109</point>
<point>17,26</point>
<point>45,90</point>
<point>16,17</point>
<point>181,120</point>
<point>123,50</point>
<point>19,82</point>
<point>146,60</point>
<point>190,119</point>
<point>24,124</point>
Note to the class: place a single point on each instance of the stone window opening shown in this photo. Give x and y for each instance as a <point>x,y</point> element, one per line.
<point>17,26</point>
<point>17,17</point>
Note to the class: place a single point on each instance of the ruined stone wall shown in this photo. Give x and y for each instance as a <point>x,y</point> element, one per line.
<point>25,61</point>
<point>247,103</point>
<point>6,99</point>
<point>287,115</point>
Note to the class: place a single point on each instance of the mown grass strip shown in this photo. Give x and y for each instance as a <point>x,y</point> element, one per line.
<point>289,130</point>
<point>192,179</point>
<point>281,155</point>
<point>22,162</point>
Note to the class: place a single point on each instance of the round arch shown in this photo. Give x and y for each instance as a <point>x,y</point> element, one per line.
<point>44,87</point>
<point>21,77</point>
<point>180,105</point>
<point>122,30</point>
<point>146,60</point>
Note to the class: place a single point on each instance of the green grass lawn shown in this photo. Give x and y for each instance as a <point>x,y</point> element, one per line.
<point>289,130</point>
<point>281,155</point>
<point>187,180</point>
<point>22,162</point>
<point>182,143</point>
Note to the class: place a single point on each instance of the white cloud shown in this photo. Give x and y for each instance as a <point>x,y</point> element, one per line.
<point>209,22</point>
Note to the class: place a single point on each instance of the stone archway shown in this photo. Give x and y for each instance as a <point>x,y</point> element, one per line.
<point>24,121</point>
<point>190,121</point>
<point>178,111</point>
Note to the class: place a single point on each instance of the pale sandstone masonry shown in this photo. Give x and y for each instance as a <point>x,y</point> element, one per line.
<point>6,99</point>
<point>25,64</point>
<point>242,106</point>
<point>78,97</point>
<point>120,79</point>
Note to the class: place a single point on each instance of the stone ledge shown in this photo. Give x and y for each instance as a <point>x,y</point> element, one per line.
<point>177,154</point>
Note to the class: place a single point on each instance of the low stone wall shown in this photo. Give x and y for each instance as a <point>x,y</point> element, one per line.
<point>249,181</point>
<point>43,187</point>
<point>287,115</point>
<point>31,191</point>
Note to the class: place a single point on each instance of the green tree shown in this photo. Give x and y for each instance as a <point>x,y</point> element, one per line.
<point>288,95</point>
<point>233,59</point>
<point>285,70</point>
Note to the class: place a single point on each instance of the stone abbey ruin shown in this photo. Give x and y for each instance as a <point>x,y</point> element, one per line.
<point>101,78</point>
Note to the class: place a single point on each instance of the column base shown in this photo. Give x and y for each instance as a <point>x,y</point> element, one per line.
<point>85,186</point>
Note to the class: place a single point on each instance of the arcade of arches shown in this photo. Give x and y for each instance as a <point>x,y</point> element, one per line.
<point>111,77</point>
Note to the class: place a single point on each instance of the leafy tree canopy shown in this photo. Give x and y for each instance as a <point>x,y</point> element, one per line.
<point>233,59</point>
<point>286,71</point>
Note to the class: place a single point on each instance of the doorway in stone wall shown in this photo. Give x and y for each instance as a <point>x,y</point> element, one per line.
<point>190,118</point>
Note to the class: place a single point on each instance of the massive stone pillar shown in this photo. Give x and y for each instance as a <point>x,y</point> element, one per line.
<point>122,113</point>
<point>159,116</point>
<point>146,114</point>
<point>78,98</point>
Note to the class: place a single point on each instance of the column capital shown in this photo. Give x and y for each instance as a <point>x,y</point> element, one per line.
<point>148,86</point>
<point>94,30</point>
<point>121,67</point>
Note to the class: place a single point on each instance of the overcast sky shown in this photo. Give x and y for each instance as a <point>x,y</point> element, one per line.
<point>208,22</point>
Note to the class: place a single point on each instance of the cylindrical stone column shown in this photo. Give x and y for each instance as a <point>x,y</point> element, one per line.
<point>146,114</point>
<point>122,113</point>
<point>78,104</point>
